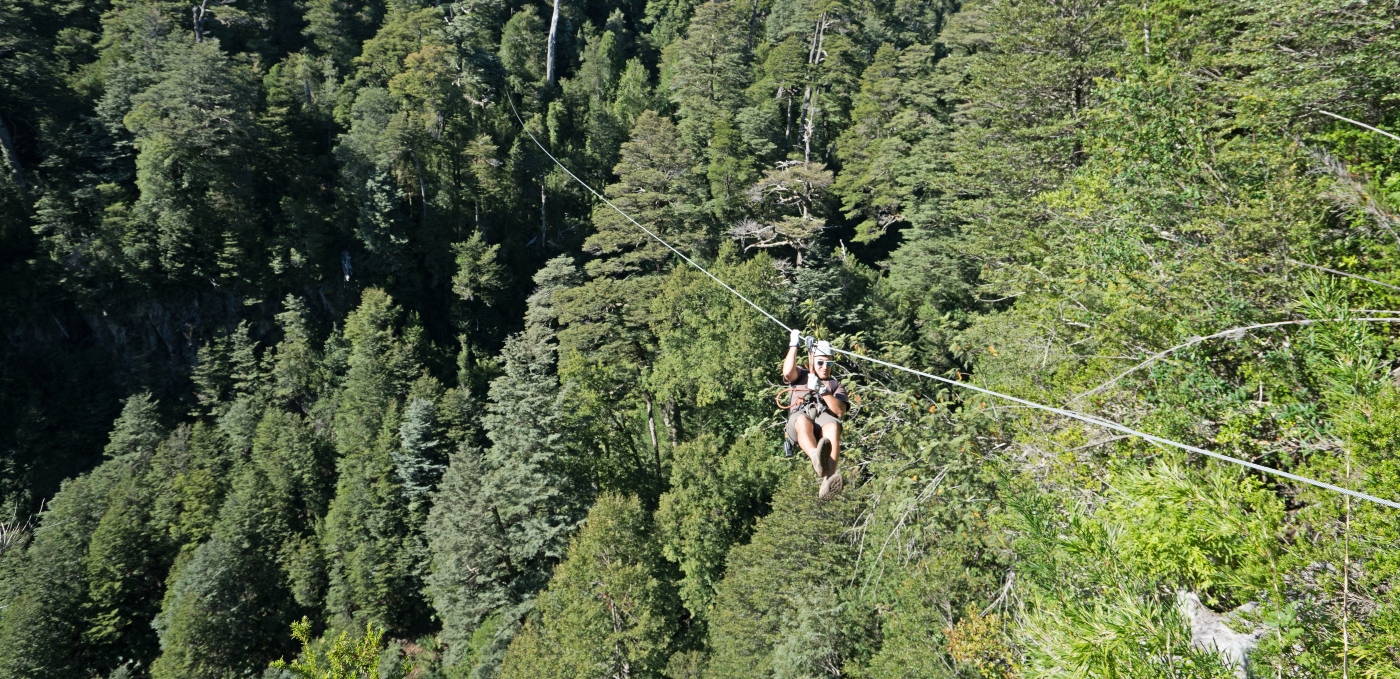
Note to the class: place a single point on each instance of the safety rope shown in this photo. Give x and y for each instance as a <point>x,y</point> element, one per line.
<point>1082,417</point>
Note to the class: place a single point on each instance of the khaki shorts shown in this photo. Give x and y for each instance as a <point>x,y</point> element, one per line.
<point>818,415</point>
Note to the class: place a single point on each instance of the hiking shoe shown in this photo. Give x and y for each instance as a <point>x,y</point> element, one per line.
<point>824,454</point>
<point>831,485</point>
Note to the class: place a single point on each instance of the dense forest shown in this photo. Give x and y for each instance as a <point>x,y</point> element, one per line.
<point>315,365</point>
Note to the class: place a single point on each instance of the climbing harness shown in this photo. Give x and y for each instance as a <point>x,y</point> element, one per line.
<point>1074,415</point>
<point>810,397</point>
<point>779,399</point>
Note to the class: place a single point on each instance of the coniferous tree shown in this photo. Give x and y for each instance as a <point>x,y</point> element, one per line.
<point>634,94</point>
<point>227,608</point>
<point>1040,195</point>
<point>777,610</point>
<point>136,432</point>
<point>297,374</point>
<point>127,561</point>
<point>228,604</point>
<point>523,47</point>
<point>606,342</point>
<point>706,70</point>
<point>609,609</point>
<point>198,223</point>
<point>337,28</point>
<point>714,499</point>
<point>418,459</point>
<point>368,538</point>
<point>708,371</point>
<point>657,186</point>
<point>380,365</point>
<point>41,628</point>
<point>731,168</point>
<point>88,569</point>
<point>873,149</point>
<point>501,517</point>
<point>190,476</point>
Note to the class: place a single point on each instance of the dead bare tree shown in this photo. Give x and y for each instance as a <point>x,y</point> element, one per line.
<point>790,195</point>
<point>7,145</point>
<point>816,54</point>
<point>549,52</point>
<point>201,14</point>
<point>15,531</point>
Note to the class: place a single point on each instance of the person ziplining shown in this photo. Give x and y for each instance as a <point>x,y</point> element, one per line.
<point>818,403</point>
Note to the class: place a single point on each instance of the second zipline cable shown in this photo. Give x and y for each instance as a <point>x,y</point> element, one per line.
<point>1087,419</point>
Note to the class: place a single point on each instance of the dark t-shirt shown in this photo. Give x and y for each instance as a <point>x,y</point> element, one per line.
<point>799,387</point>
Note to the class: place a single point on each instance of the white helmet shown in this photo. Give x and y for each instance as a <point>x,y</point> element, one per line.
<point>821,348</point>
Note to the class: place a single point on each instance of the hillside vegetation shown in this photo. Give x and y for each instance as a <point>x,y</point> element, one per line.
<point>312,355</point>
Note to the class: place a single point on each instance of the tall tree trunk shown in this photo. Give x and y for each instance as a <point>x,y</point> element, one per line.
<point>1147,51</point>
<point>199,13</point>
<point>816,54</point>
<point>549,53</point>
<point>671,415</point>
<point>787,120</point>
<point>422,190</point>
<point>753,19</point>
<point>501,530</point>
<point>7,144</point>
<point>651,429</point>
<point>807,129</point>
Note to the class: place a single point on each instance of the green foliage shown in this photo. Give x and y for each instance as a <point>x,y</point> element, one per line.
<point>1210,532</point>
<point>235,268</point>
<point>715,495</point>
<point>502,517</point>
<point>657,186</point>
<point>193,469</point>
<point>126,563</point>
<point>381,362</point>
<point>345,658</point>
<point>1118,635</point>
<point>709,343</point>
<point>369,541</point>
<point>705,70</point>
<point>42,626</point>
<point>609,608</point>
<point>418,462</point>
<point>136,432</point>
<point>783,607</point>
<point>522,46</point>
<point>193,131</point>
<point>226,603</point>
<point>478,273</point>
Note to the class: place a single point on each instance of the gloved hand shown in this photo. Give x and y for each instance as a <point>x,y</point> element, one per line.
<point>823,390</point>
<point>794,337</point>
<point>812,382</point>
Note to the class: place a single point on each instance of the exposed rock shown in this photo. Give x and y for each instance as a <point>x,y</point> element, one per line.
<point>1209,631</point>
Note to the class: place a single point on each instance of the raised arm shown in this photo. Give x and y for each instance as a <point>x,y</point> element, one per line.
<point>790,363</point>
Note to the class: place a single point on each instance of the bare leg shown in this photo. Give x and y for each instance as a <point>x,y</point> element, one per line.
<point>832,430</point>
<point>808,441</point>
<point>831,483</point>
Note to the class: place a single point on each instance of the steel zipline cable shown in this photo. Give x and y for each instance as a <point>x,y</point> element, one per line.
<point>1074,415</point>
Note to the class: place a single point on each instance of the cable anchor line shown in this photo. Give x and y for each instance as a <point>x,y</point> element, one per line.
<point>1071,414</point>
<point>628,217</point>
